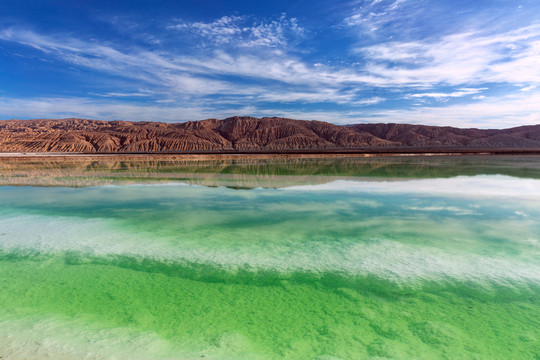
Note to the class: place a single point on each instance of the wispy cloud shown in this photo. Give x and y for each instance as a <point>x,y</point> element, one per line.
<point>206,74</point>
<point>490,112</point>
<point>276,65</point>
<point>495,112</point>
<point>133,94</point>
<point>459,59</point>
<point>242,31</point>
<point>374,14</point>
<point>443,96</point>
<point>58,107</point>
<point>273,76</point>
<point>528,88</point>
<point>464,58</point>
<point>166,111</point>
<point>321,96</point>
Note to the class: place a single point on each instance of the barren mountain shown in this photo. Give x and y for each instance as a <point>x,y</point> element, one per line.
<point>246,134</point>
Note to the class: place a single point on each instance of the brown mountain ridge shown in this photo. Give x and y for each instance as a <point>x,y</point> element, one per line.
<point>248,134</point>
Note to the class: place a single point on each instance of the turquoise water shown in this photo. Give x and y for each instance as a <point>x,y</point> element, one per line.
<point>392,258</point>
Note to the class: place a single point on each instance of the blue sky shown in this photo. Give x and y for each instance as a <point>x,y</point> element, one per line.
<point>458,63</point>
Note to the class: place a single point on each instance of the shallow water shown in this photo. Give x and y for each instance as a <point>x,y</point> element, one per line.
<point>366,258</point>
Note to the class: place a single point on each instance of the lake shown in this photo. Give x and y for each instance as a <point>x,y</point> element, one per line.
<point>347,258</point>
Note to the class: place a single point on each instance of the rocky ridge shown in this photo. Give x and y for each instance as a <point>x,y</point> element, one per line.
<point>246,134</point>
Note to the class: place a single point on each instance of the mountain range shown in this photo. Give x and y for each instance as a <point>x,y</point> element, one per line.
<point>249,134</point>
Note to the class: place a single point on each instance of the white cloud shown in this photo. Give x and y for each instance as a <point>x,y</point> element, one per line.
<point>281,67</point>
<point>441,96</point>
<point>467,58</point>
<point>306,97</point>
<point>241,32</point>
<point>166,110</point>
<point>220,30</point>
<point>464,58</point>
<point>55,107</point>
<point>140,65</point>
<point>488,113</point>
<point>174,75</point>
<point>396,4</point>
<point>321,97</point>
<point>492,112</point>
<point>375,14</point>
<point>133,94</point>
<point>528,88</point>
<point>371,101</point>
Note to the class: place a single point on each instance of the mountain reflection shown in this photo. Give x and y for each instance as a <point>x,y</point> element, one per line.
<point>254,173</point>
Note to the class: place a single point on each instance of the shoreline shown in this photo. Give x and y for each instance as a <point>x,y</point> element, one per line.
<point>211,155</point>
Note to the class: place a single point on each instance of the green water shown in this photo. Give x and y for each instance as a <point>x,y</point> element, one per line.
<point>385,258</point>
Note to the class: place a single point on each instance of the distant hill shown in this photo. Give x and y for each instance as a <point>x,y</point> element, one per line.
<point>248,134</point>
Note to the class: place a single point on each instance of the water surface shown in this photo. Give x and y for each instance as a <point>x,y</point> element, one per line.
<point>355,258</point>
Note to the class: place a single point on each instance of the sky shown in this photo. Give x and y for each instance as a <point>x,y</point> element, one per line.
<point>433,62</point>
